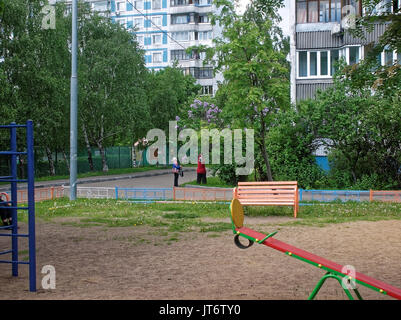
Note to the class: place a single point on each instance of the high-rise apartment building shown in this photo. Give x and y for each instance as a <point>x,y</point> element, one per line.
<point>320,36</point>
<point>165,29</point>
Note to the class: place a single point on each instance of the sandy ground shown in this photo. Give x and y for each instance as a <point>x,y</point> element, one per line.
<point>138,263</point>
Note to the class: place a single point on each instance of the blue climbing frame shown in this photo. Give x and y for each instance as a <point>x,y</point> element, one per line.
<point>13,179</point>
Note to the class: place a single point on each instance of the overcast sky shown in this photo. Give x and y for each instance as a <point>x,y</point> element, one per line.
<point>284,12</point>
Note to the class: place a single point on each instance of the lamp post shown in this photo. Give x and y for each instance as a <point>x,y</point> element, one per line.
<point>74,102</point>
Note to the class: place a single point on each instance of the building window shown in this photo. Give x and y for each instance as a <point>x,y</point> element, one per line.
<point>138,22</point>
<point>203,35</point>
<point>156,39</point>
<point>157,57</point>
<point>179,19</point>
<point>176,3</point>
<point>156,4</point>
<point>303,64</point>
<point>203,2</point>
<point>207,90</point>
<point>179,55</point>
<point>180,36</point>
<point>121,21</point>
<point>138,4</point>
<point>313,63</point>
<point>353,55</point>
<point>157,21</point>
<point>120,6</point>
<point>139,39</point>
<point>312,11</point>
<point>324,63</point>
<point>203,19</point>
<point>199,73</point>
<point>100,6</point>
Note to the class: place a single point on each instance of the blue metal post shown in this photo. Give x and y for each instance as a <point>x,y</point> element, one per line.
<point>116,193</point>
<point>14,238</point>
<point>31,206</point>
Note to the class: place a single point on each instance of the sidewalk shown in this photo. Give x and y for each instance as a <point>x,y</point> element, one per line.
<point>98,179</point>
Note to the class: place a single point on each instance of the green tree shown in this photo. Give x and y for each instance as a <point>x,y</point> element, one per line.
<point>358,119</point>
<point>113,106</point>
<point>169,92</point>
<point>34,67</point>
<point>251,54</point>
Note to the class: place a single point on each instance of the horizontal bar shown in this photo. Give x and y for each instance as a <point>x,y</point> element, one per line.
<point>6,227</point>
<point>19,262</point>
<point>5,252</point>
<point>13,126</point>
<point>6,177</point>
<point>14,235</point>
<point>11,153</point>
<point>18,208</point>
<point>13,180</point>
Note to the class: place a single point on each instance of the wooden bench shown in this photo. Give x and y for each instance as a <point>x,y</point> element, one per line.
<point>273,193</point>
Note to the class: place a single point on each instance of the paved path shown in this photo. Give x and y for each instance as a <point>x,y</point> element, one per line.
<point>162,178</point>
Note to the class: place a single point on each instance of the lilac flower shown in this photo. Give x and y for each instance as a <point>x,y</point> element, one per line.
<point>177,118</point>
<point>190,113</point>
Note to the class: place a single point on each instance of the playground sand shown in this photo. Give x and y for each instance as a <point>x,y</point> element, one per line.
<point>142,263</point>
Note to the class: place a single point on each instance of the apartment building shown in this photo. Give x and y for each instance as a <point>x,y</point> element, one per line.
<point>165,29</point>
<point>320,36</point>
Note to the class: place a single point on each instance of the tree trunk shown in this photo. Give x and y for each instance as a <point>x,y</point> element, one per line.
<point>66,160</point>
<point>51,162</point>
<point>88,148</point>
<point>264,151</point>
<point>105,168</point>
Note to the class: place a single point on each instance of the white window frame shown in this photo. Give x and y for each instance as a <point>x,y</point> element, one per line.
<point>157,35</point>
<point>156,8</point>
<point>159,54</point>
<point>122,22</point>
<point>155,24</point>
<point>136,25</point>
<point>138,4</point>
<point>343,53</point>
<point>122,4</point>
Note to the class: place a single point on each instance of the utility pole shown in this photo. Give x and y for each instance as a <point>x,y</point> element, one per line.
<point>74,103</point>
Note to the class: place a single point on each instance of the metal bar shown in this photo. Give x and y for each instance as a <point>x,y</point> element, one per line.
<point>14,200</point>
<point>14,235</point>
<point>11,153</point>
<point>6,227</point>
<point>31,206</point>
<point>13,126</point>
<point>13,180</point>
<point>6,252</point>
<point>15,208</point>
<point>322,281</point>
<point>74,103</point>
<point>14,262</point>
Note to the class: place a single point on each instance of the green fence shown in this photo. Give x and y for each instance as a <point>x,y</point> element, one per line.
<point>116,158</point>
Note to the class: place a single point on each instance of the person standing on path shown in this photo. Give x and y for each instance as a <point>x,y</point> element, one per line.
<point>201,171</point>
<point>176,171</point>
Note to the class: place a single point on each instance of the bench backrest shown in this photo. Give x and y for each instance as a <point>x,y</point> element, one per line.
<point>273,192</point>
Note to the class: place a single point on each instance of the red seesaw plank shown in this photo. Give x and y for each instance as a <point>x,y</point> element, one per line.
<point>284,247</point>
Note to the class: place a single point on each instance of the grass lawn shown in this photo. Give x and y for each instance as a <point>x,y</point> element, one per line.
<point>201,217</point>
<point>212,182</point>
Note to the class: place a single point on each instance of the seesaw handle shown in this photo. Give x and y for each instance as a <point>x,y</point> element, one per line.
<point>267,237</point>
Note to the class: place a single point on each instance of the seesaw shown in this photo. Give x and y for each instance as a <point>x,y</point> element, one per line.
<point>346,277</point>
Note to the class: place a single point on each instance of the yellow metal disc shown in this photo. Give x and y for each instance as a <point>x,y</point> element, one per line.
<point>237,213</point>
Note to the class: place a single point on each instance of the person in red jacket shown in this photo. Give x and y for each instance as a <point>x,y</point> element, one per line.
<point>201,171</point>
